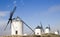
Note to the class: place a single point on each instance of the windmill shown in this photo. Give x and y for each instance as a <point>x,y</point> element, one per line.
<point>48,29</point>
<point>18,26</point>
<point>39,29</point>
<point>10,18</point>
<point>57,32</point>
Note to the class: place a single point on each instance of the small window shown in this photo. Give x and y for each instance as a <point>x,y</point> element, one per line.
<point>37,33</point>
<point>16,32</point>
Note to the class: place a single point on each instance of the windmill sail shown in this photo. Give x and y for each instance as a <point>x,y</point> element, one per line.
<point>10,19</point>
<point>27,25</point>
<point>49,26</point>
<point>41,26</point>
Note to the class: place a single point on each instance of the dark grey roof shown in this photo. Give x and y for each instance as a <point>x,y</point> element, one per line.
<point>17,18</point>
<point>47,27</point>
<point>38,27</point>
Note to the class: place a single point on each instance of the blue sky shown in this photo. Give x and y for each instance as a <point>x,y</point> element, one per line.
<point>32,12</point>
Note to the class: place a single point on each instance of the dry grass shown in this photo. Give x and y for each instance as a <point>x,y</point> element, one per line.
<point>44,35</point>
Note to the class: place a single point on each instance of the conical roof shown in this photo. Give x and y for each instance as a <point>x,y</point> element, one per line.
<point>38,27</point>
<point>17,18</point>
<point>47,27</point>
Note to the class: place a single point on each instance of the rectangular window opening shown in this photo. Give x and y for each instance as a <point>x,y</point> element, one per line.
<point>16,32</point>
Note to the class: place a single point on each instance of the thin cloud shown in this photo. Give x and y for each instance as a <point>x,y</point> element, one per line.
<point>54,8</point>
<point>51,10</point>
<point>3,24</point>
<point>3,13</point>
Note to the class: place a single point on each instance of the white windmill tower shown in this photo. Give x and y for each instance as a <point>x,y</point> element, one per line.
<point>47,29</point>
<point>16,27</point>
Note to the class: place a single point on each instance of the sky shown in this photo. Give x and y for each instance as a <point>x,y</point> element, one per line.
<point>32,12</point>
